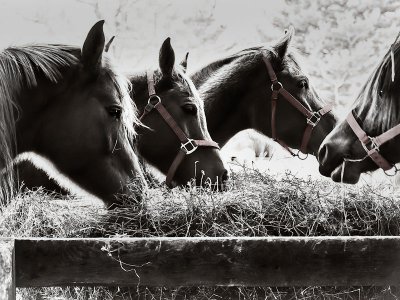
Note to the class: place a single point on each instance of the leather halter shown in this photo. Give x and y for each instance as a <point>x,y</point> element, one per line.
<point>313,117</point>
<point>371,144</point>
<point>188,145</point>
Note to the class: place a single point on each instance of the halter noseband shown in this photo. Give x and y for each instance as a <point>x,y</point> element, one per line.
<point>188,145</point>
<point>371,144</point>
<point>313,117</point>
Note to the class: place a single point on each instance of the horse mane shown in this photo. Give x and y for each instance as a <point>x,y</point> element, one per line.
<point>381,113</point>
<point>220,76</point>
<point>20,68</point>
<point>202,75</point>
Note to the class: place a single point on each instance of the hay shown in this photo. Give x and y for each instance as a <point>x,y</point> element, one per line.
<point>40,214</point>
<point>257,204</point>
<point>200,293</point>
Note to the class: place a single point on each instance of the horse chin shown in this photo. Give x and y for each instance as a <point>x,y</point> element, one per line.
<point>350,176</point>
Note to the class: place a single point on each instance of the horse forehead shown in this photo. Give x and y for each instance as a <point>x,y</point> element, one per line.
<point>184,83</point>
<point>181,86</point>
<point>292,68</point>
<point>184,87</point>
<point>201,116</point>
<point>106,89</point>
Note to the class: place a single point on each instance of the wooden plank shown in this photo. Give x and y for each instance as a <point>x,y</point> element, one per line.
<point>7,282</point>
<point>274,261</point>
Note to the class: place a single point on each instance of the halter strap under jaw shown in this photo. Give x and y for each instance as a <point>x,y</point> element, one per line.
<point>188,145</point>
<point>371,145</point>
<point>313,117</point>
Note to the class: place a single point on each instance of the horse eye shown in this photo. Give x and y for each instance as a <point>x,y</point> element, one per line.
<point>190,108</point>
<point>115,111</point>
<point>380,93</point>
<point>303,84</point>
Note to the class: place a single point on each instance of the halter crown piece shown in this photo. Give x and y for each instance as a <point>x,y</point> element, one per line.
<point>313,117</point>
<point>188,145</point>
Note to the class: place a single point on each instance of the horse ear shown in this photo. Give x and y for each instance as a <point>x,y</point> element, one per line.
<point>282,46</point>
<point>184,62</point>
<point>93,47</point>
<point>167,58</point>
<point>107,46</point>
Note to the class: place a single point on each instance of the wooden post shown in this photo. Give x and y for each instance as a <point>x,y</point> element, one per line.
<point>270,261</point>
<point>7,282</point>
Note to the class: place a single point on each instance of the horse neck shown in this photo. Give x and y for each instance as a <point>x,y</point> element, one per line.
<point>139,88</point>
<point>225,110</point>
<point>201,76</point>
<point>229,127</point>
<point>31,103</point>
<point>139,94</point>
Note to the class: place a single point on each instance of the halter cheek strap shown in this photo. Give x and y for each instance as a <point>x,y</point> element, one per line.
<point>371,144</point>
<point>188,145</point>
<point>313,118</point>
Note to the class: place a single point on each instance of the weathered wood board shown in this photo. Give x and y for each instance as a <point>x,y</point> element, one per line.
<point>273,261</point>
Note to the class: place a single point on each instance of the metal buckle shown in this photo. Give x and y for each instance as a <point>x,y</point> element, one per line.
<point>276,83</point>
<point>314,118</point>
<point>370,145</point>
<point>299,156</point>
<point>395,170</point>
<point>151,104</point>
<point>186,149</point>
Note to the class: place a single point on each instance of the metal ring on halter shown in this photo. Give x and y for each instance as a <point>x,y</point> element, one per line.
<point>298,155</point>
<point>395,171</point>
<point>151,104</point>
<point>158,100</point>
<point>276,83</point>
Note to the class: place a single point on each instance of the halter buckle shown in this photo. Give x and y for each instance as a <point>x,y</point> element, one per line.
<point>276,84</point>
<point>153,101</point>
<point>314,119</point>
<point>393,173</point>
<point>370,145</point>
<point>189,147</point>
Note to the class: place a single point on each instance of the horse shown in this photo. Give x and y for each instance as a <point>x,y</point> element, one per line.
<point>264,88</point>
<point>368,138</point>
<point>68,110</point>
<point>175,138</point>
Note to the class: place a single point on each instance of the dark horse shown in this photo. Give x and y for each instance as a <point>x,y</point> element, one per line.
<point>369,137</point>
<point>237,95</point>
<point>67,110</point>
<point>174,116</point>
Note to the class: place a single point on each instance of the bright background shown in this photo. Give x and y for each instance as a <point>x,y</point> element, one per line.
<point>341,40</point>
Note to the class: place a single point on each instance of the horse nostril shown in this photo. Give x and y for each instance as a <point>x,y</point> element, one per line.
<point>224,176</point>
